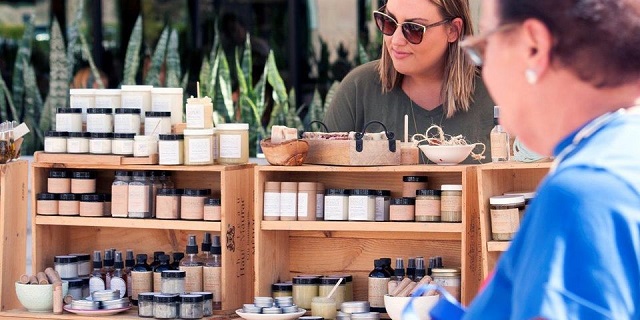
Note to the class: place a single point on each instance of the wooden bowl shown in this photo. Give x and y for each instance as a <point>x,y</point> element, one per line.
<point>289,153</point>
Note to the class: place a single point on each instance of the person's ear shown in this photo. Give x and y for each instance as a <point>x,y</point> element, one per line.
<point>454,30</point>
<point>536,49</point>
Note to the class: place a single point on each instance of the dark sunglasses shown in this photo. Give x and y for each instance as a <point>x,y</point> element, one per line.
<point>411,31</point>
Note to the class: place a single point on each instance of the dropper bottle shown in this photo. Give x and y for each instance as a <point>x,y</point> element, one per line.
<point>192,266</point>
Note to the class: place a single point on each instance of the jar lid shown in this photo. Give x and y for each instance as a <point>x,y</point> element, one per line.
<point>82,91</point>
<point>403,201</point>
<point>122,173</point>
<point>47,196</point>
<point>355,306</point>
<point>61,134</point>
<point>101,135</point>
<point>92,197</point>
<point>127,111</point>
<point>212,202</point>
<point>233,126</point>
<point>362,192</point>
<point>428,192</point>
<point>204,294</point>
<point>173,274</point>
<point>282,286</point>
<point>347,277</point>
<point>58,174</point>
<point>199,132</point>
<point>166,298</point>
<point>171,137</point>
<point>124,135</point>
<point>169,192</point>
<point>68,197</point>
<point>83,175</point>
<point>107,92</point>
<point>415,179</point>
<point>191,298</point>
<point>445,270</point>
<point>330,192</point>
<point>508,199</point>
<point>167,90</point>
<point>99,110</point>
<point>69,110</point>
<point>65,259</point>
<point>306,280</point>
<point>331,281</point>
<point>125,87</point>
<point>526,194</point>
<point>81,256</point>
<point>75,282</point>
<point>196,192</point>
<point>157,114</point>
<point>139,174</point>
<point>383,193</point>
<point>79,134</point>
<point>451,187</point>
<point>146,296</point>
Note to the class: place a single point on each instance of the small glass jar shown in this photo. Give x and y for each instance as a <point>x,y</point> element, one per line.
<point>69,119</point>
<point>139,200</point>
<point>108,98</point>
<point>528,196</point>
<point>69,204</point>
<point>327,284</point>
<point>157,122</point>
<point>126,120</point>
<point>323,307</point>
<point>75,288</point>
<point>91,205</point>
<point>233,143</point>
<point>304,289</point>
<point>362,205</point>
<point>169,100</point>
<point>212,209</point>
<point>199,113</point>
<point>66,266</point>
<point>207,303</point>
<point>288,201</point>
<point>192,203</point>
<point>402,209</point>
<point>84,263</point>
<point>428,205</point>
<point>449,279</point>
<point>100,143</point>
<point>47,204</point>
<point>136,97</point>
<point>271,201</point>
<point>55,141</point>
<point>191,306</point>
<point>171,149</point>
<point>383,202</point>
<point>284,289</point>
<point>120,192</point>
<point>172,281</point>
<point>78,142</point>
<point>348,281</point>
<point>505,216</point>
<point>410,184</point>
<point>451,203</point>
<point>144,146</point>
<point>122,144</point>
<point>100,120</point>
<point>168,203</point>
<point>199,146</point>
<point>59,181</point>
<point>145,304</point>
<point>83,182</point>
<point>336,204</point>
<point>166,306</point>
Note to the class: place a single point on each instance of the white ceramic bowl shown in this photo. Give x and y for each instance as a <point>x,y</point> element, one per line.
<point>38,297</point>
<point>421,305</point>
<point>447,155</point>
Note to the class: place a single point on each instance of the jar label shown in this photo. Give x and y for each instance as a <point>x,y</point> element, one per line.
<point>376,292</point>
<point>303,204</point>
<point>169,152</point>
<point>141,281</point>
<point>157,282</point>
<point>126,123</point>
<point>505,220</point>
<point>123,146</point>
<point>138,198</point>
<point>361,206</point>
<point>96,284</point>
<point>427,208</point>
<point>120,200</point>
<point>451,203</point>
<point>271,204</point>
<point>336,208</point>
<point>382,208</point>
<point>195,115</point>
<point>99,123</point>
<point>213,282</point>
<point>499,145</point>
<point>200,150</point>
<point>118,283</point>
<point>288,206</point>
<point>230,146</point>
<point>77,145</point>
<point>193,280</point>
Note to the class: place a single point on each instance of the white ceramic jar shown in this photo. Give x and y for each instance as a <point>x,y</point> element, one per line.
<point>157,122</point>
<point>199,146</point>
<point>99,120</point>
<point>108,98</point>
<point>126,121</point>
<point>100,143</point>
<point>122,144</point>
<point>55,141</point>
<point>171,149</point>
<point>144,146</point>
<point>136,97</point>
<point>69,119</point>
<point>78,142</point>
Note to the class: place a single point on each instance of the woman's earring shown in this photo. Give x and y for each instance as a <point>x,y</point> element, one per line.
<point>531,76</point>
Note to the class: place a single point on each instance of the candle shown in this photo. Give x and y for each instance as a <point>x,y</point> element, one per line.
<point>406,128</point>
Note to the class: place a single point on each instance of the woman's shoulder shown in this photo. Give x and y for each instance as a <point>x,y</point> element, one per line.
<point>367,72</point>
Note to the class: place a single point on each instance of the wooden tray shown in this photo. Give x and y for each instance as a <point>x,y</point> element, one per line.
<point>40,156</point>
<point>343,153</point>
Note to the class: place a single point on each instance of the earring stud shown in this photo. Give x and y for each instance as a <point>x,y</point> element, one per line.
<point>531,76</point>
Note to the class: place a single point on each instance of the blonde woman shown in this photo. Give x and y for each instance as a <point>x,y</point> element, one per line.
<point>423,73</point>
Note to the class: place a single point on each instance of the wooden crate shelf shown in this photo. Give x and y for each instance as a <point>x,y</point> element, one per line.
<point>284,249</point>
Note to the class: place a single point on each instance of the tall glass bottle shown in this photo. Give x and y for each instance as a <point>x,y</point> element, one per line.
<point>157,271</point>
<point>192,265</point>
<point>141,277</point>
<point>499,139</point>
<point>107,268</point>
<point>378,279</point>
<point>177,257</point>
<point>212,273</point>
<point>129,262</point>
<point>118,277</point>
<point>421,271</point>
<point>96,281</point>
<point>156,259</point>
<point>155,185</point>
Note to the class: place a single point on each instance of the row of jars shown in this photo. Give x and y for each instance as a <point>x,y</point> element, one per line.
<point>507,212</point>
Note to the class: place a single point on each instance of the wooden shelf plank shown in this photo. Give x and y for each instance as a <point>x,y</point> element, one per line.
<point>129,223</point>
<point>362,226</point>
<point>352,169</point>
<point>499,246</point>
<point>515,165</point>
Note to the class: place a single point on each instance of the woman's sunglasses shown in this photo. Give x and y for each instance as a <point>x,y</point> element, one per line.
<point>412,31</point>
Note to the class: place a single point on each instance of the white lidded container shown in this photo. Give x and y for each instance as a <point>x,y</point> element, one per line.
<point>136,97</point>
<point>168,100</point>
<point>199,146</point>
<point>83,99</point>
<point>108,98</point>
<point>69,119</point>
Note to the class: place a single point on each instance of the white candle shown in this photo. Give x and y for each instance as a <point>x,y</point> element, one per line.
<point>406,128</point>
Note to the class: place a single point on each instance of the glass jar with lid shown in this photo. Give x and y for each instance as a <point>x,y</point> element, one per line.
<point>120,194</point>
<point>122,144</point>
<point>157,122</point>
<point>192,203</point>
<point>100,143</point>
<point>327,284</point>
<point>233,143</point>
<point>78,142</point>
<point>55,141</point>
<point>99,120</point>
<point>304,289</point>
<point>173,281</point>
<point>282,289</point>
<point>166,306</point>
<point>505,216</point>
<point>451,203</point>
<point>199,146</point>
<point>126,120</point>
<point>428,205</point>
<point>69,119</point>
<point>448,278</point>
<point>191,306</point>
<point>171,149</point>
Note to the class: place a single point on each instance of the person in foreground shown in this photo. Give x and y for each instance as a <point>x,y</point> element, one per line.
<point>422,73</point>
<point>566,74</point>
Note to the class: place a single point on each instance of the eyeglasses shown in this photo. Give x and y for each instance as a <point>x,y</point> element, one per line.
<point>412,31</point>
<point>475,46</point>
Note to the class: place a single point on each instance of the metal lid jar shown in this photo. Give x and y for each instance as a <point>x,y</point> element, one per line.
<point>505,216</point>
<point>233,143</point>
